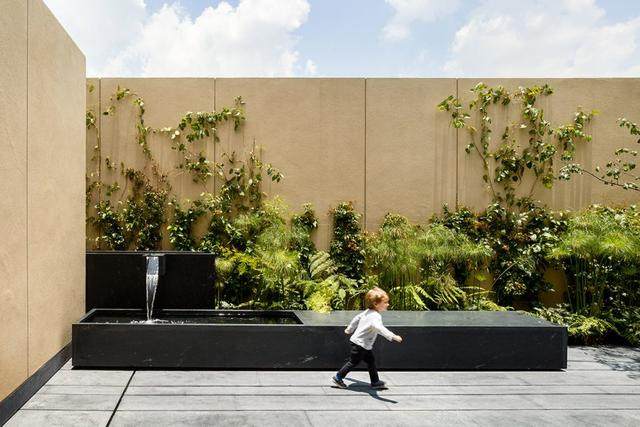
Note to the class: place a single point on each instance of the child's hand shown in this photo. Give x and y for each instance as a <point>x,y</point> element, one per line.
<point>346,331</point>
<point>397,338</point>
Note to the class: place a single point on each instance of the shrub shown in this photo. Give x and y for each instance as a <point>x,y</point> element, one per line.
<point>581,329</point>
<point>520,241</point>
<point>347,244</point>
<point>418,265</point>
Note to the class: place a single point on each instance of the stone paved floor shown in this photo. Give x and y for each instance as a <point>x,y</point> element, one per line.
<point>600,387</point>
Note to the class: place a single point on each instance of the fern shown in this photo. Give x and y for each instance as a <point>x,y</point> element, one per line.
<point>321,265</point>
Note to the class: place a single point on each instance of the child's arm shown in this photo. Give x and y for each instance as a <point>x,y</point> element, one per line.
<point>353,325</point>
<point>380,328</point>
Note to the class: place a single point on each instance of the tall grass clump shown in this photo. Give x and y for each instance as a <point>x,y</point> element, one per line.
<point>600,253</point>
<point>420,266</point>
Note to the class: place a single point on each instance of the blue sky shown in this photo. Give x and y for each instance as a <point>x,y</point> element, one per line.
<point>423,38</point>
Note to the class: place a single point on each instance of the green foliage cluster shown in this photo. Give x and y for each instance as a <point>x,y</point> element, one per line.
<point>136,222</point>
<point>520,242</point>
<point>422,267</point>
<point>347,245</point>
<point>581,329</point>
<point>600,253</point>
<point>273,264</point>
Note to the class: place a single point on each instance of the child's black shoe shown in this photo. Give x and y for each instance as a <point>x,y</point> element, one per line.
<point>338,382</point>
<point>379,385</point>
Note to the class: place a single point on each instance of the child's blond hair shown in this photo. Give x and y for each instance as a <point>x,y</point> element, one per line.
<point>374,296</point>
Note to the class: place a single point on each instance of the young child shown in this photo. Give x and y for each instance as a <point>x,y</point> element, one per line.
<point>367,325</point>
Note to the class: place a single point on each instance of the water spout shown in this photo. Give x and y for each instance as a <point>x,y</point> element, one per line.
<point>153,271</point>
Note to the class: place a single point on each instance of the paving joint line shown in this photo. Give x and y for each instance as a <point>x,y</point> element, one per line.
<point>120,399</point>
<point>381,410</point>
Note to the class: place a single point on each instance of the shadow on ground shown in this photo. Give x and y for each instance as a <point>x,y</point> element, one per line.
<point>358,386</point>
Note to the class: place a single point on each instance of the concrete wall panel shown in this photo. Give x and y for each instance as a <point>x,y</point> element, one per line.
<point>312,130</point>
<point>56,171</point>
<point>13,189</point>
<point>614,98</point>
<point>410,149</point>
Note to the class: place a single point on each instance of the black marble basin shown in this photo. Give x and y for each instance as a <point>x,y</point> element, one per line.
<point>298,340</point>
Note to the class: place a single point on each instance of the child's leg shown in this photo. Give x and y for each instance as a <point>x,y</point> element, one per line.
<point>355,356</point>
<point>371,364</point>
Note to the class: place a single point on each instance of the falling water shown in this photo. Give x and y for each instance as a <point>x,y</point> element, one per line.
<point>153,267</point>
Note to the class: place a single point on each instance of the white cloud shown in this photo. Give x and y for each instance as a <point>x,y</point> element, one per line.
<point>256,38</point>
<point>407,12</point>
<point>548,38</point>
<point>101,28</point>
<point>310,68</point>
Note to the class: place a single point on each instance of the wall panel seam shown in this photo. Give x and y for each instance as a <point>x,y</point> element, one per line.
<point>365,154</point>
<point>215,144</point>
<point>99,135</point>
<point>457,154</point>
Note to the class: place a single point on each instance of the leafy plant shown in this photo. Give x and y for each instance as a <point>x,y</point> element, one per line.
<point>520,242</point>
<point>418,265</point>
<point>581,329</point>
<point>302,227</point>
<point>596,251</point>
<point>616,172</point>
<point>346,247</point>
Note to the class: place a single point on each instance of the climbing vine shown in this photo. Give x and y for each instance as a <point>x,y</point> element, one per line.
<point>137,217</point>
<point>197,126</point>
<point>510,161</point>
<point>618,171</point>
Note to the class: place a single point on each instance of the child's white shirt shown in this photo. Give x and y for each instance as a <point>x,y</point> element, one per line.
<point>365,328</point>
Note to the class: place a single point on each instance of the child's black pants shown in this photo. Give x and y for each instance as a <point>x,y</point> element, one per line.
<point>356,355</point>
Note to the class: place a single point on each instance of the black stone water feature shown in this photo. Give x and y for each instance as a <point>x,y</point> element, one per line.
<point>194,337</point>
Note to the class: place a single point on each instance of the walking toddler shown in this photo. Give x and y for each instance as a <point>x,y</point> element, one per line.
<point>367,325</point>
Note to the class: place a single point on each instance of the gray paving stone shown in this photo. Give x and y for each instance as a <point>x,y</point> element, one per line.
<point>600,387</point>
<point>230,390</point>
<point>90,377</point>
<point>506,402</point>
<point>462,402</point>
<point>73,402</point>
<point>475,418</point>
<point>248,403</point>
<point>583,365</point>
<point>320,378</point>
<point>619,358</point>
<point>603,401</point>
<point>81,389</point>
<point>209,418</point>
<point>619,389</point>
<point>454,378</point>
<point>578,378</point>
<point>30,418</point>
<point>194,378</point>
<point>493,389</point>
<point>67,365</point>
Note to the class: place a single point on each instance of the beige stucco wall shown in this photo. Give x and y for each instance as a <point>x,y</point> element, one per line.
<point>313,130</point>
<point>410,151</point>
<point>42,167</point>
<point>13,191</point>
<point>378,142</point>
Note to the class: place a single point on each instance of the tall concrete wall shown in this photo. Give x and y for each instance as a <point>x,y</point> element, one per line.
<point>42,167</point>
<point>378,142</point>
